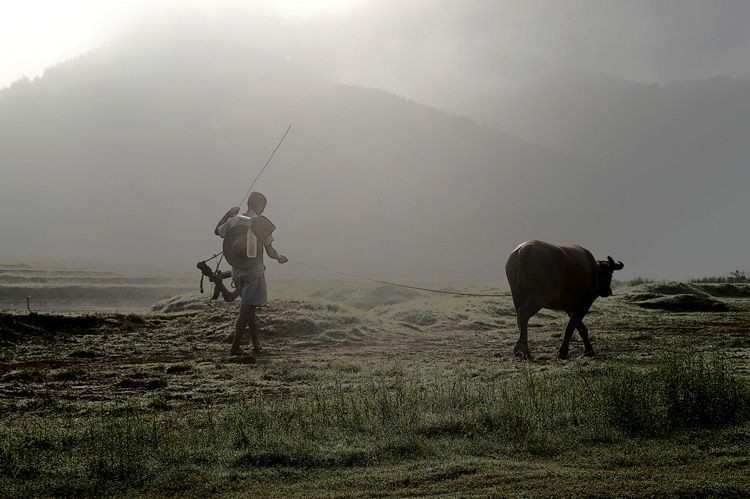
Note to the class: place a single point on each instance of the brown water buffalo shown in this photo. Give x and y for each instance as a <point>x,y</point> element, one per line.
<point>559,277</point>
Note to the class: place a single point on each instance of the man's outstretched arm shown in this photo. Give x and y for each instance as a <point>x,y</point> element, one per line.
<point>229,214</point>
<point>271,251</point>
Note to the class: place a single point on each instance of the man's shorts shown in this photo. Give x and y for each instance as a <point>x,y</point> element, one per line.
<point>253,290</point>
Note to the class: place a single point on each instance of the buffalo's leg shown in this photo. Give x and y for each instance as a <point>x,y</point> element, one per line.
<point>562,353</point>
<point>525,311</point>
<point>247,312</point>
<point>584,332</point>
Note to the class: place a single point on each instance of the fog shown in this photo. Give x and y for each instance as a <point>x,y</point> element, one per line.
<point>428,138</point>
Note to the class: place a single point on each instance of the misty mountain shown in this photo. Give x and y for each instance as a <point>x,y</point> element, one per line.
<point>131,154</point>
<point>671,160</point>
<point>609,120</point>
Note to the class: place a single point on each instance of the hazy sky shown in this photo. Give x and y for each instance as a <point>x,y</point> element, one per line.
<point>438,49</point>
<point>35,34</point>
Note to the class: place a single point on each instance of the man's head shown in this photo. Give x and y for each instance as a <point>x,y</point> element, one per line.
<point>256,203</point>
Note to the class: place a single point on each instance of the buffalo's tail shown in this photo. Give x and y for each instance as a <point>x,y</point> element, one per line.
<point>512,268</point>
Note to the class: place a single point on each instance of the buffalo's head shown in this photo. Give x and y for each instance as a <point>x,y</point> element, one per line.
<point>606,268</point>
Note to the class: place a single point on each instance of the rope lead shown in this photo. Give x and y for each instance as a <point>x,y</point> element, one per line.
<point>386,283</point>
<point>395,284</point>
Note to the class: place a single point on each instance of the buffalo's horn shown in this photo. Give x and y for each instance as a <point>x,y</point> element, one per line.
<point>615,266</point>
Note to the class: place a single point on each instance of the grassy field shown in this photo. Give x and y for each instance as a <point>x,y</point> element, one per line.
<point>367,390</point>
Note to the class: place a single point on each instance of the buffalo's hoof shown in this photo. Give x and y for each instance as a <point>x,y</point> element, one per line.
<point>589,353</point>
<point>522,351</point>
<point>562,354</point>
<point>243,341</point>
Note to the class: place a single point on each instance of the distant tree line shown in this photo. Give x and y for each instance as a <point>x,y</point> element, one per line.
<point>736,276</point>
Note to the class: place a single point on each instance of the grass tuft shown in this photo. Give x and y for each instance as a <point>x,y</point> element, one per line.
<point>684,391</point>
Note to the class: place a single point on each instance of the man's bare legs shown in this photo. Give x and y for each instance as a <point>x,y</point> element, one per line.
<point>253,325</point>
<point>246,318</point>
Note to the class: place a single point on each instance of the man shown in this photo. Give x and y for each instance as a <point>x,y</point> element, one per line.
<point>245,238</point>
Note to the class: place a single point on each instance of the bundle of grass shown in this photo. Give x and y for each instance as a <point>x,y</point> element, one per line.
<point>646,291</point>
<point>675,288</point>
<point>685,303</point>
<point>366,298</point>
<point>186,302</point>
<point>727,290</point>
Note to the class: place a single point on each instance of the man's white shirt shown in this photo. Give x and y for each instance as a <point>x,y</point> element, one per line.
<point>236,220</point>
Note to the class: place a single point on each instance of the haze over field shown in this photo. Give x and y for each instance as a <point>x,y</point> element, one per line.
<point>428,139</point>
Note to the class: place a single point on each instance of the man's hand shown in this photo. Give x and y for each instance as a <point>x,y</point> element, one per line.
<point>229,214</point>
<point>282,259</point>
